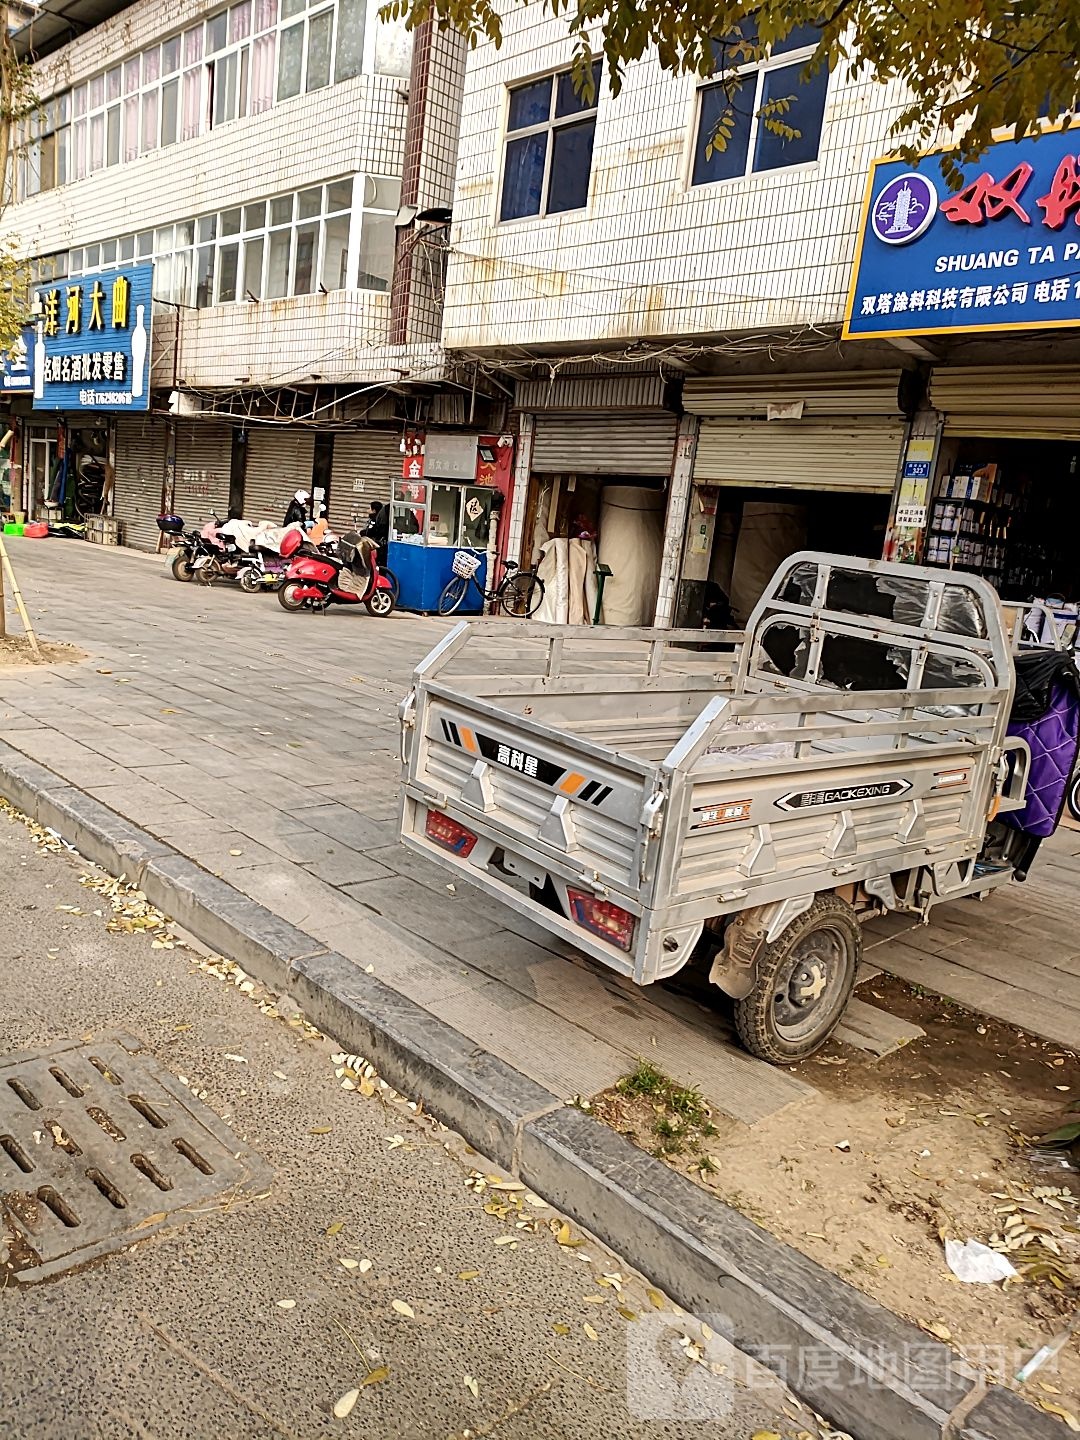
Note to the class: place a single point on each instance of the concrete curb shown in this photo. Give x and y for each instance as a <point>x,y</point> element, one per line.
<point>870,1372</point>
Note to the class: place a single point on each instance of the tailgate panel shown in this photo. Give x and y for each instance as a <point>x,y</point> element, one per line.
<point>536,786</point>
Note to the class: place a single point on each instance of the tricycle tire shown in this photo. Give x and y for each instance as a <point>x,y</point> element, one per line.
<point>781,1020</point>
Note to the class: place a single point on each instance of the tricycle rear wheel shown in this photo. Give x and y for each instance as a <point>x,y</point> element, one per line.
<point>803,982</point>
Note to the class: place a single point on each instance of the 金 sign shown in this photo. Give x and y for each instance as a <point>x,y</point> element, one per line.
<point>91,341</point>
<point>1000,253</point>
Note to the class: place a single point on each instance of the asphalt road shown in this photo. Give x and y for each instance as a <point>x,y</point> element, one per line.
<point>185,1336</point>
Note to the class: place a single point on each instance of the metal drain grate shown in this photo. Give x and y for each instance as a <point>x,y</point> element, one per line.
<point>100,1146</point>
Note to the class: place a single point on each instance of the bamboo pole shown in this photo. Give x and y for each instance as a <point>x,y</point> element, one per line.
<point>34,646</point>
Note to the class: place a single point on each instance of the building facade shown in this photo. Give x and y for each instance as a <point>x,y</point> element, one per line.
<point>286,167</point>
<point>672,316</point>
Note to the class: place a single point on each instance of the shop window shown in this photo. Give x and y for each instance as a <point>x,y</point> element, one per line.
<point>738,104</point>
<point>550,130</point>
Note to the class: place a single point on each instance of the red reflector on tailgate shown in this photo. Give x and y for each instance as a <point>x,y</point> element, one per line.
<point>608,921</point>
<point>449,834</point>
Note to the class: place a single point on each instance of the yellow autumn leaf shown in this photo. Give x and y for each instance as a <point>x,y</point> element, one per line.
<point>376,1376</point>
<point>627,1314</point>
<point>938,1329</point>
<point>562,1235</point>
<point>468,1274</point>
<point>561,1329</point>
<point>1060,1411</point>
<point>655,1299</point>
<point>471,1385</point>
<point>404,1309</point>
<point>348,1263</point>
<point>590,1332</point>
<point>335,1227</point>
<point>364,1266</point>
<point>765,1435</point>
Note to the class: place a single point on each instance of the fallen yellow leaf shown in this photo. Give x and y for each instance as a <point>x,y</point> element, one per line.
<point>593,1299</point>
<point>471,1385</point>
<point>506,1240</point>
<point>365,1266</point>
<point>349,1264</point>
<point>655,1299</point>
<point>468,1274</point>
<point>335,1227</point>
<point>343,1408</point>
<point>561,1329</point>
<point>376,1376</point>
<point>765,1435</point>
<point>591,1333</point>
<point>627,1314</point>
<point>404,1309</point>
<point>321,1130</point>
<point>286,1304</point>
<point>940,1330</point>
<point>562,1235</point>
<point>1060,1411</point>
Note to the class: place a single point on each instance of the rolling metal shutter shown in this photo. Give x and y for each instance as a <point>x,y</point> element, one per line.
<point>604,444</point>
<point>203,458</point>
<point>279,461</point>
<point>1039,402</point>
<point>855,455</point>
<point>366,463</point>
<point>141,449</point>
<point>852,392</point>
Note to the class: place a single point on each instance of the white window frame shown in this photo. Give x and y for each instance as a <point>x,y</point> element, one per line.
<point>759,68</point>
<point>548,126</point>
<point>312,10</point>
<point>354,210</point>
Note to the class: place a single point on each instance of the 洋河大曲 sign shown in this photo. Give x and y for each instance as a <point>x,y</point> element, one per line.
<point>1001,252</point>
<point>90,341</point>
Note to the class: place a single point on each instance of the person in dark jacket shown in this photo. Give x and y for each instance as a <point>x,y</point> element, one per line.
<point>297,511</point>
<point>378,527</point>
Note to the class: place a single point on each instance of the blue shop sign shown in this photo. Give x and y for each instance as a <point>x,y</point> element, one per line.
<point>91,347</point>
<point>18,374</point>
<point>1000,253</point>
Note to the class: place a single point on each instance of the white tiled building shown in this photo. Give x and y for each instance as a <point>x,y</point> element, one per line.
<point>718,278</point>
<point>258,154</point>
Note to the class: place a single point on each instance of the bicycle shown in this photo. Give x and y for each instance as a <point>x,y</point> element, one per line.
<point>519,593</point>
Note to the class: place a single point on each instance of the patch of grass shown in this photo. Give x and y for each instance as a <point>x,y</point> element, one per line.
<point>645,1080</point>
<point>681,1115</point>
<point>706,1163</point>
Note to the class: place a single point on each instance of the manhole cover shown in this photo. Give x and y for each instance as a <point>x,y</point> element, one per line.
<point>100,1146</point>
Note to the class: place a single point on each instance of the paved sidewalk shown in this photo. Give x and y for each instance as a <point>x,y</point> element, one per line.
<point>264,747</point>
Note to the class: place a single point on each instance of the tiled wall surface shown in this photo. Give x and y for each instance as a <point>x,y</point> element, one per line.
<point>358,125</point>
<point>355,126</point>
<point>651,255</point>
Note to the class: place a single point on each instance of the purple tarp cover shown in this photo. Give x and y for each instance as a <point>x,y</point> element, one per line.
<point>1052,739</point>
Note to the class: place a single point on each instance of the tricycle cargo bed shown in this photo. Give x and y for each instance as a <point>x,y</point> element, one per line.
<point>627,786</point>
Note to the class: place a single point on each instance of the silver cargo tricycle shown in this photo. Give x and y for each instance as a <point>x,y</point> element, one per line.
<point>638,791</point>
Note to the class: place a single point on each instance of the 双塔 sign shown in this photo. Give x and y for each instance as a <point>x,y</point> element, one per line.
<point>91,341</point>
<point>1000,253</point>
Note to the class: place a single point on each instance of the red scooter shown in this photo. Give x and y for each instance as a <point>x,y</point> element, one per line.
<point>351,577</point>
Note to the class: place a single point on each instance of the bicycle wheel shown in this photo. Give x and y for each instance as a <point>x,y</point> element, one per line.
<point>453,594</point>
<point>522,594</point>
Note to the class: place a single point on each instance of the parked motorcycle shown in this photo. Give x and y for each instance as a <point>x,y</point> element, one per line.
<point>193,550</point>
<point>351,577</point>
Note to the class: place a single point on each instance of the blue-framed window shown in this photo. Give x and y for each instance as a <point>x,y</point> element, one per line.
<point>738,103</point>
<point>547,163</point>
